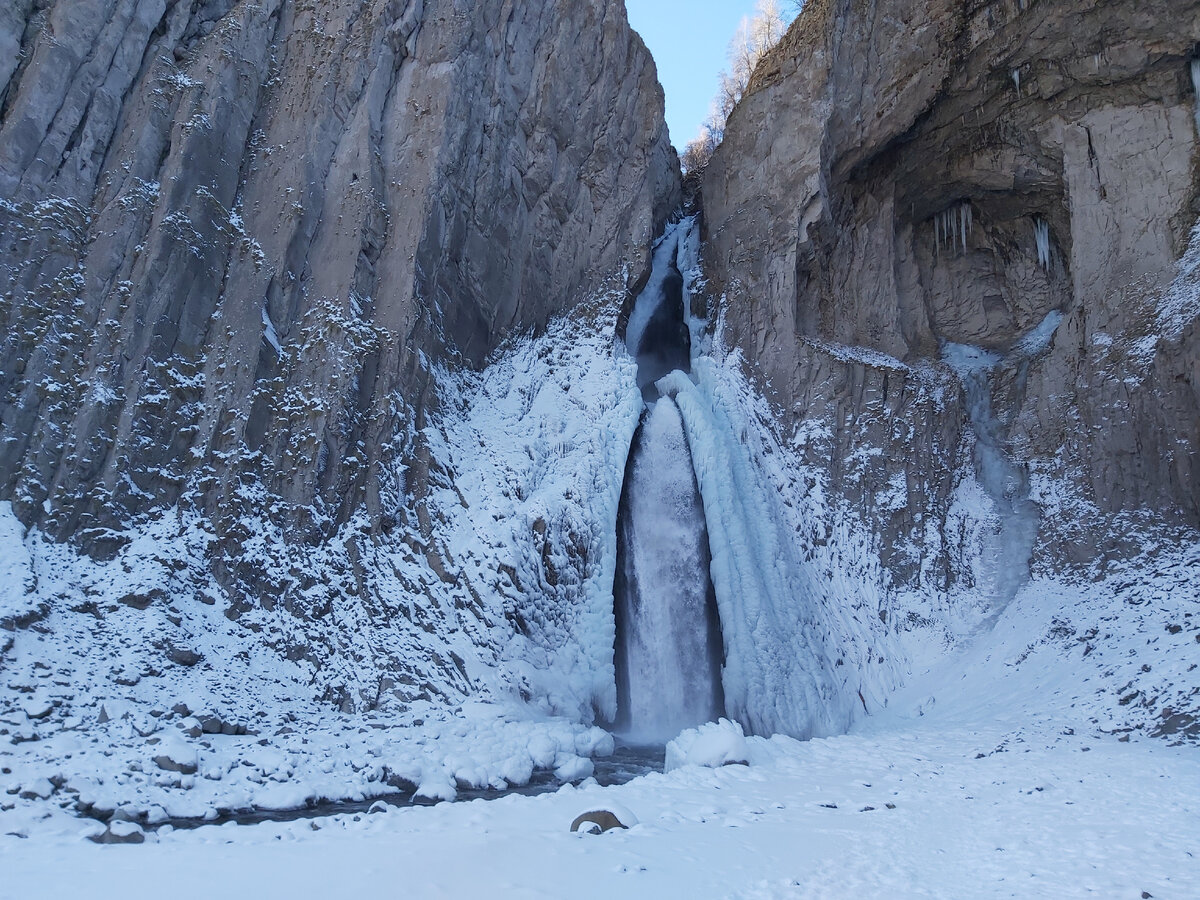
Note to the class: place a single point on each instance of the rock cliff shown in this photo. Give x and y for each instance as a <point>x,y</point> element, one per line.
<point>1005,186</point>
<point>235,236</point>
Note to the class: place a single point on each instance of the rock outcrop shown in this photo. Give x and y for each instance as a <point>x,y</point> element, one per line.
<point>235,236</point>
<point>1009,185</point>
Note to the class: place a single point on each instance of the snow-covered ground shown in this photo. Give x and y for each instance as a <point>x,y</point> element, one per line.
<point>1005,770</point>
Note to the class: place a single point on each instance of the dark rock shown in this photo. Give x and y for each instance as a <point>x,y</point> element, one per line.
<point>142,600</point>
<point>596,822</point>
<point>183,656</point>
<point>167,764</point>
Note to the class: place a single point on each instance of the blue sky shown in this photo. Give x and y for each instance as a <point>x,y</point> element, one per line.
<point>688,39</point>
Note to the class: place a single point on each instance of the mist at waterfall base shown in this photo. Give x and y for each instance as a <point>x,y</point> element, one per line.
<point>668,652</point>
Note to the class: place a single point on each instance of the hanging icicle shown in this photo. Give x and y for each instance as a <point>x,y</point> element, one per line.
<point>1196,88</point>
<point>952,226</point>
<point>1041,236</point>
<point>1016,77</point>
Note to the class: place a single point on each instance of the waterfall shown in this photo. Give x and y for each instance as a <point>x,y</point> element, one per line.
<point>668,651</point>
<point>669,658</point>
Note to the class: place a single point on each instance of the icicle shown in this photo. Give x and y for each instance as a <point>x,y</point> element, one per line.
<point>1196,88</point>
<point>1016,77</point>
<point>952,226</point>
<point>1041,235</point>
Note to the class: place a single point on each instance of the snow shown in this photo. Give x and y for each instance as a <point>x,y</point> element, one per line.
<point>713,745</point>
<point>526,533</point>
<point>270,335</point>
<point>996,772</point>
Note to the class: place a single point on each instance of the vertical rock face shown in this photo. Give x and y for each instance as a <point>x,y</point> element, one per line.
<point>904,178</point>
<point>235,235</point>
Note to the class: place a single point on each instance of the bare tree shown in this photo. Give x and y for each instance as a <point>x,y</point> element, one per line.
<point>755,36</point>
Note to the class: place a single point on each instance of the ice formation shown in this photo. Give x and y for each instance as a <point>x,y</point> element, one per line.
<point>668,645</point>
<point>1016,77</point>
<point>1041,235</point>
<point>1010,543</point>
<point>1196,88</point>
<point>953,225</point>
<point>669,663</point>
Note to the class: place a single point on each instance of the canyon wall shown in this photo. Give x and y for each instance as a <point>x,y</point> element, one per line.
<point>1008,185</point>
<point>236,237</point>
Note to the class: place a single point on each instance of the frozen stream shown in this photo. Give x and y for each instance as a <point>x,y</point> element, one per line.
<point>626,763</point>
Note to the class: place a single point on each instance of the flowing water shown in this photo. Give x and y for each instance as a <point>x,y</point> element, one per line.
<point>668,649</point>
<point>626,763</point>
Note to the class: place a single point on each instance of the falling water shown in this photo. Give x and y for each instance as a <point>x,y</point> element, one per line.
<point>668,651</point>
<point>670,666</point>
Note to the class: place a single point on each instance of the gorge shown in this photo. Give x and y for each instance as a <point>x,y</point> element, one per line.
<point>382,408</point>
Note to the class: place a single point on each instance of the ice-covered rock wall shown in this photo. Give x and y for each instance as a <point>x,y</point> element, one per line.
<point>904,176</point>
<point>247,252</point>
<point>235,237</point>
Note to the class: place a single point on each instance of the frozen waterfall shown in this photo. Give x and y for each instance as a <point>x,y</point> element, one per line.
<point>668,651</point>
<point>1005,481</point>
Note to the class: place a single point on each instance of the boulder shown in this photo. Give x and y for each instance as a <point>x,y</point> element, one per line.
<point>598,821</point>
<point>121,832</point>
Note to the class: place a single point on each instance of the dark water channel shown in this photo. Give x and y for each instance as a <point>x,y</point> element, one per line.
<point>626,763</point>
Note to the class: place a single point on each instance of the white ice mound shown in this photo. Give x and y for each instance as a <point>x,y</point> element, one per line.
<point>715,744</point>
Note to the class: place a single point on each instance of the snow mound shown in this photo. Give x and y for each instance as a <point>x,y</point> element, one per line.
<point>712,745</point>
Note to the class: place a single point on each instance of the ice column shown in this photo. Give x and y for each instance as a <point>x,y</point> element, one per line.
<point>1196,88</point>
<point>1041,235</point>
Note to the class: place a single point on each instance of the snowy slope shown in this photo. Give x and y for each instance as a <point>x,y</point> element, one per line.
<point>993,775</point>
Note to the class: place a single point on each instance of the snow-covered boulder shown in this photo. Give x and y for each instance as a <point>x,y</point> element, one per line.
<point>121,832</point>
<point>174,754</point>
<point>715,744</point>
<point>598,821</point>
<point>572,768</point>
